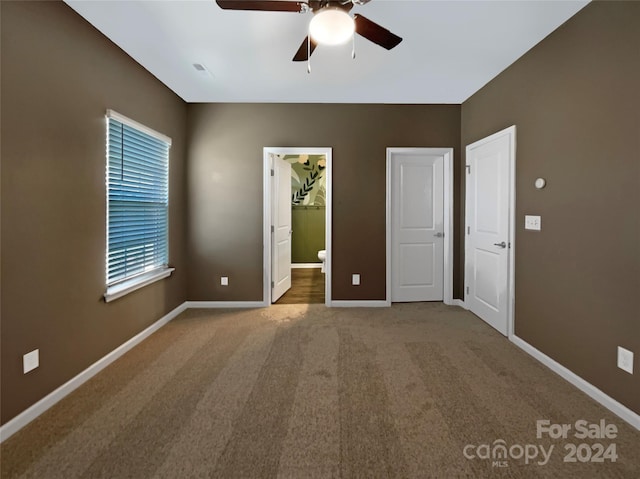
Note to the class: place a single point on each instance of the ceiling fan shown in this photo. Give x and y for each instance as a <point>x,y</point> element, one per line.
<point>330,25</point>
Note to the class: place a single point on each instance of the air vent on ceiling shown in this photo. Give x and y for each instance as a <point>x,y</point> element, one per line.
<point>202,70</point>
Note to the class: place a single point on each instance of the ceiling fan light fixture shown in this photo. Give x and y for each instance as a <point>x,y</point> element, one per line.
<point>331,26</point>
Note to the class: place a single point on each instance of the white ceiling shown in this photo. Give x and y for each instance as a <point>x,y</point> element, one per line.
<point>450,48</point>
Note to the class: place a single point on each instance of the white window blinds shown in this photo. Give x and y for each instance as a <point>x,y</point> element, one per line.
<point>137,199</point>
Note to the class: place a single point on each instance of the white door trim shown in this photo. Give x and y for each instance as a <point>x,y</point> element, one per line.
<point>511,132</point>
<point>447,153</point>
<point>267,209</point>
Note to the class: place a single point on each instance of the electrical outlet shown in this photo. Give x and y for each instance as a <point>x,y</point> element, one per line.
<point>30,361</point>
<point>625,360</point>
<point>355,279</point>
<point>532,222</point>
<point>224,281</point>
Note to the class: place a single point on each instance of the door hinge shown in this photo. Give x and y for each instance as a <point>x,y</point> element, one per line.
<point>467,289</point>
<point>272,173</point>
<point>272,229</point>
<point>468,230</point>
<point>468,168</point>
<point>272,284</point>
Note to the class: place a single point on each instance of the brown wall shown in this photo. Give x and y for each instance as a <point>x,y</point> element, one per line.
<point>225,186</point>
<point>575,100</point>
<point>59,75</point>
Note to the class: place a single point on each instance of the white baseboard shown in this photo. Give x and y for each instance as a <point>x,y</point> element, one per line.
<point>225,304</point>
<point>29,414</point>
<point>459,302</point>
<point>607,401</point>
<point>360,304</point>
<point>306,265</point>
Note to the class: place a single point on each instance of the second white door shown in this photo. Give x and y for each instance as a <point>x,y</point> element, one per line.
<point>488,238</point>
<point>417,226</point>
<point>281,228</point>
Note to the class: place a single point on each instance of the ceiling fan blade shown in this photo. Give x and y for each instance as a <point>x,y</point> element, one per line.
<point>375,33</point>
<point>263,5</point>
<point>301,55</point>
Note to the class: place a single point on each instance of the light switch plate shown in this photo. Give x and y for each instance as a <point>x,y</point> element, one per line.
<point>30,361</point>
<point>224,281</point>
<point>355,279</point>
<point>625,360</point>
<point>532,222</point>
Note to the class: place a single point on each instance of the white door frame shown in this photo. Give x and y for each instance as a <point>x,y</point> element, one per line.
<point>511,283</point>
<point>267,212</point>
<point>447,153</point>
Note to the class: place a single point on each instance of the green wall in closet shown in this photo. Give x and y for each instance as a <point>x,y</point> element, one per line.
<point>308,233</point>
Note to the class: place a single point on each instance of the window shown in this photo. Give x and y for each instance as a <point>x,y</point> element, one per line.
<point>137,206</point>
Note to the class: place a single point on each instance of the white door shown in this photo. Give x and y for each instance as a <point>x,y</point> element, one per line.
<point>487,292</point>
<point>281,228</point>
<point>417,226</point>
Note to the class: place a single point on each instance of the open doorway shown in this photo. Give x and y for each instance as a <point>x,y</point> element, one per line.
<point>297,225</point>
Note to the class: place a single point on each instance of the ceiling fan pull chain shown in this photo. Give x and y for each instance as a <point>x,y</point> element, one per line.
<point>353,48</point>
<point>309,53</point>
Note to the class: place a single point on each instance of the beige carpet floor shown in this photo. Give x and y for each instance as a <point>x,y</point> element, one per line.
<point>302,391</point>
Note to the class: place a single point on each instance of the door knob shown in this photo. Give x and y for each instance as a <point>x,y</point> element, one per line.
<point>439,235</point>
<point>501,245</point>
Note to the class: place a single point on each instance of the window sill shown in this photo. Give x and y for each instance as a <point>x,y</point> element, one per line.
<point>126,287</point>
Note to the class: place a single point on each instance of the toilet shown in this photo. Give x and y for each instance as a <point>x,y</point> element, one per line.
<point>322,256</point>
